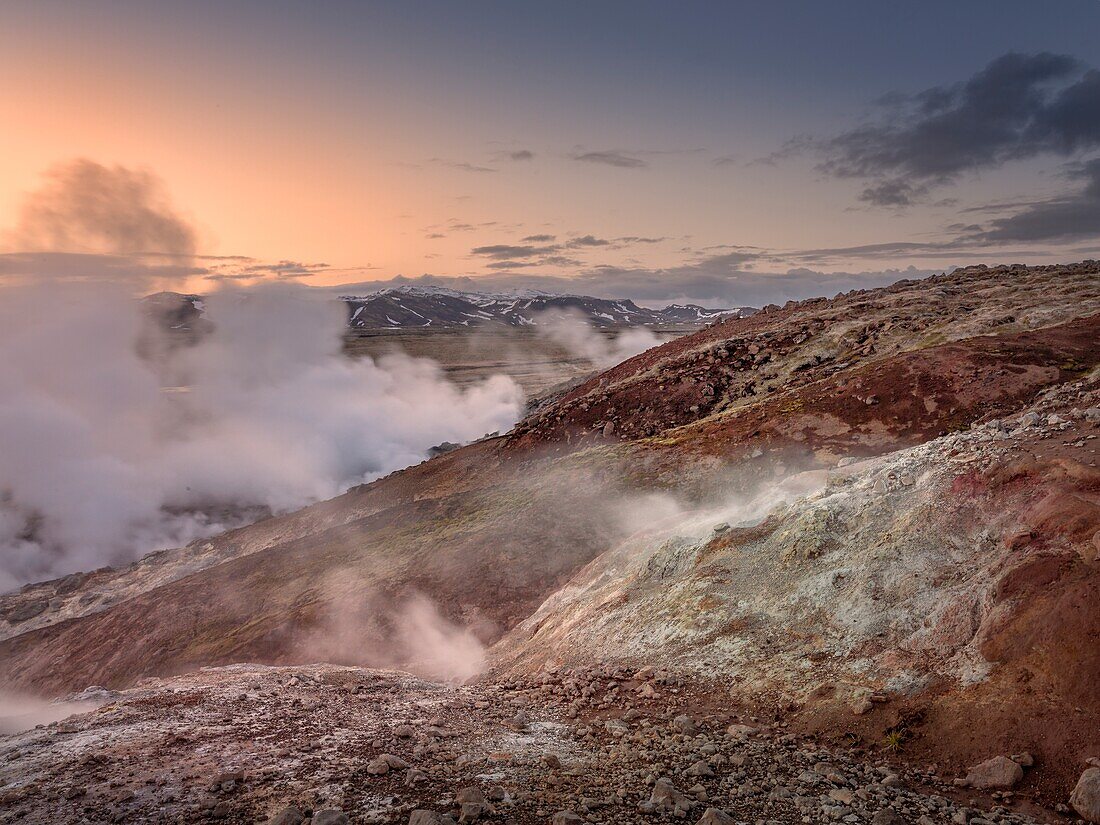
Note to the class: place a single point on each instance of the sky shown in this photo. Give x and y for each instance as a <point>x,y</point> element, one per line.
<point>716,152</point>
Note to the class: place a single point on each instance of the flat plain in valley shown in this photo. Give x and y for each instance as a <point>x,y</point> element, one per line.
<point>530,357</point>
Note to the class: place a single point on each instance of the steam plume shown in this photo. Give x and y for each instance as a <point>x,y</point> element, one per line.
<point>98,464</point>
<point>572,331</point>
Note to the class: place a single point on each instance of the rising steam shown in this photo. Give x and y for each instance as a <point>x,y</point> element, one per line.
<point>99,464</point>
<point>571,331</point>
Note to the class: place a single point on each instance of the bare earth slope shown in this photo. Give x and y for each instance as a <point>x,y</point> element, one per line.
<point>948,573</point>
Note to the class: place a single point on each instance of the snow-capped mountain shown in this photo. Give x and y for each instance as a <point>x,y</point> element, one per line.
<point>408,307</point>
<point>174,311</point>
<point>414,306</point>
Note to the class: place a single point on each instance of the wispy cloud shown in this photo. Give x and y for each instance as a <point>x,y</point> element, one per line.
<point>510,251</point>
<point>462,165</point>
<point>622,160</point>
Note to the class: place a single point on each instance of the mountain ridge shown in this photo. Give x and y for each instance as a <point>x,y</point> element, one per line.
<point>409,307</point>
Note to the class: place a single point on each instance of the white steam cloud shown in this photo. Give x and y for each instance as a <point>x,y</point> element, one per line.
<point>100,464</point>
<point>571,331</point>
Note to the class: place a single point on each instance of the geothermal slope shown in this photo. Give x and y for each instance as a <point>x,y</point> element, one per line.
<point>810,565</point>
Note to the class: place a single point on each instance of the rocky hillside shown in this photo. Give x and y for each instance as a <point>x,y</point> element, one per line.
<point>875,516</point>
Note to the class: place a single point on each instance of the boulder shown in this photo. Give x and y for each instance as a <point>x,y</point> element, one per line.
<point>1085,797</point>
<point>667,799</point>
<point>700,768</point>
<point>998,773</point>
<point>741,731</point>
<point>329,816</point>
<point>887,816</point>
<point>566,818</point>
<point>715,816</point>
<point>384,763</point>
<point>471,804</point>
<point>287,816</point>
<point>423,817</point>
<point>684,724</point>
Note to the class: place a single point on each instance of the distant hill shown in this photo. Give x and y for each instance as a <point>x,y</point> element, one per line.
<point>414,306</point>
<point>408,307</point>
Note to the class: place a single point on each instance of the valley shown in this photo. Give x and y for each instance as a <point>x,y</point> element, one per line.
<point>535,361</point>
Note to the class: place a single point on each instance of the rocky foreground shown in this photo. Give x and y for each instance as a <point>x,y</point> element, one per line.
<point>602,744</point>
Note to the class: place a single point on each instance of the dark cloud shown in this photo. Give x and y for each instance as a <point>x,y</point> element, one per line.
<point>509,251</point>
<point>892,193</point>
<point>1070,217</point>
<point>629,239</point>
<point>435,236</point>
<point>510,265</point>
<point>1019,106</point>
<point>587,240</point>
<point>726,160</point>
<point>622,160</point>
<point>280,270</point>
<point>522,154</point>
<point>560,260</point>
